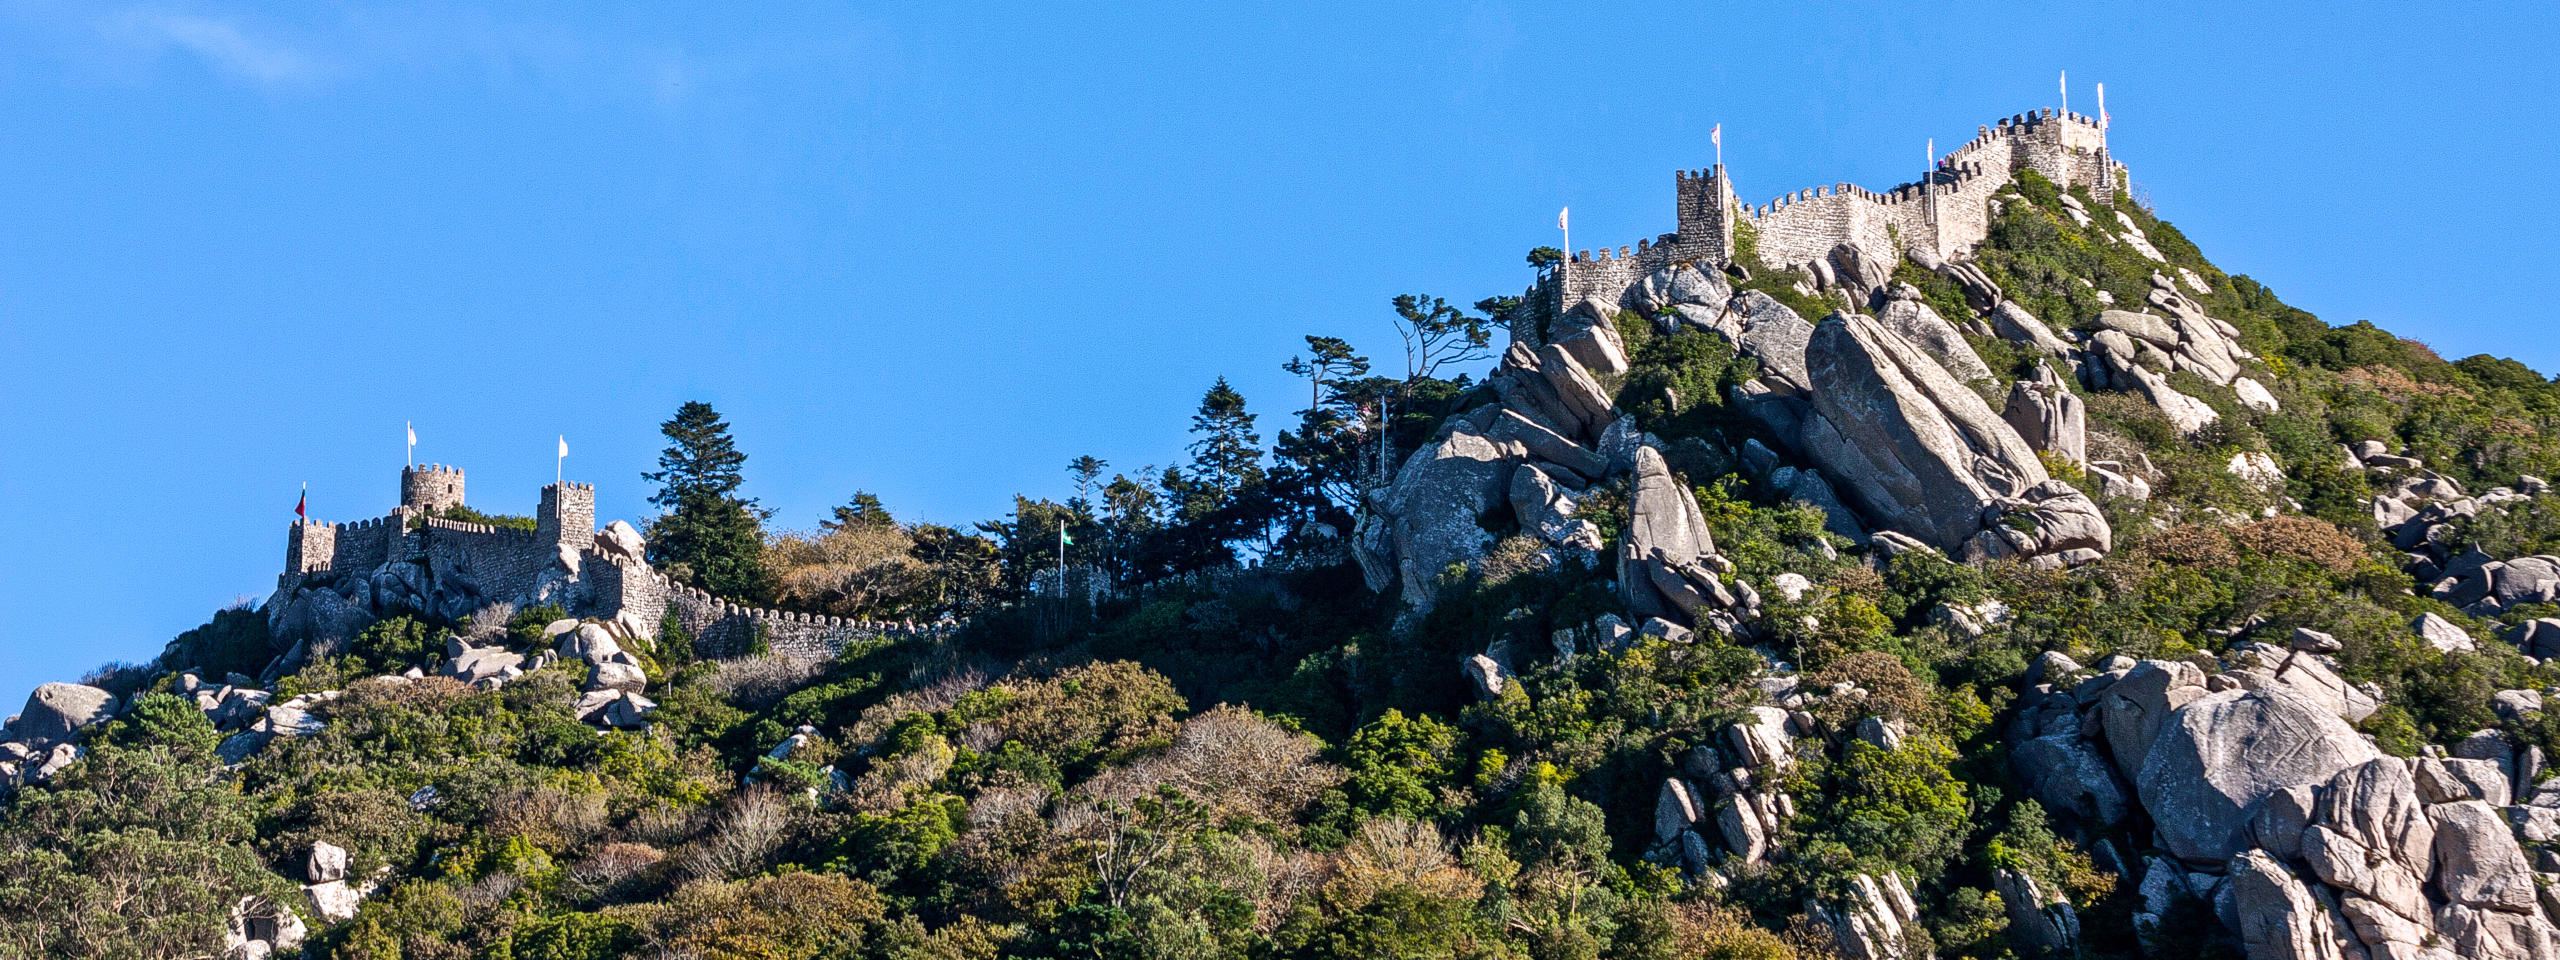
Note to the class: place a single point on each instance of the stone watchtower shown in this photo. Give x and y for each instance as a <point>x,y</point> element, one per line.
<point>1705,216</point>
<point>430,489</point>
<point>567,517</point>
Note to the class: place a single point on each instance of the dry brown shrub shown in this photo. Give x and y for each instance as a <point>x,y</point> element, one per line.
<point>615,864</point>
<point>1392,852</point>
<point>1892,691</point>
<point>1234,762</point>
<point>549,818</point>
<point>2192,545</point>
<point>749,829</point>
<point>2308,539</point>
<point>1706,929</point>
<point>859,570</point>
<point>2394,382</point>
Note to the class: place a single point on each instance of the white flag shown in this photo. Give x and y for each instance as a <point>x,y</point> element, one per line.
<point>413,434</point>
<point>564,446</point>
<point>1716,136</point>
<point>1560,215</point>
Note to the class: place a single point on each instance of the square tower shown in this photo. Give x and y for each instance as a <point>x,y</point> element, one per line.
<point>567,516</point>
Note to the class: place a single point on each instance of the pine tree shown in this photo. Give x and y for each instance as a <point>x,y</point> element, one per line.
<point>709,536</point>
<point>1228,456</point>
<point>864,511</point>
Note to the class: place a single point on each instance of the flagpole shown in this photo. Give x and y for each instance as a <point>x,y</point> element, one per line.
<point>559,464</point>
<point>412,429</point>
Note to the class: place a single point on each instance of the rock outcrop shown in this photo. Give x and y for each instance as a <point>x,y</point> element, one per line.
<point>1917,452</point>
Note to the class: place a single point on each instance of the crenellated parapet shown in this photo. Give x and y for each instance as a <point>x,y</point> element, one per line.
<point>1946,211</point>
<point>559,562</point>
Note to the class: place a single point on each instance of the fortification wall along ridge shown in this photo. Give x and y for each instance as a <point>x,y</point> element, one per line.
<point>557,562</point>
<point>1947,211</point>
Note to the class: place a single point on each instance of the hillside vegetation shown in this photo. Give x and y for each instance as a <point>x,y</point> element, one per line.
<point>1220,741</point>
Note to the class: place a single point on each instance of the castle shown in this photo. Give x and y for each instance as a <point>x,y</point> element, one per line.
<point>1947,213</point>
<point>339,577</point>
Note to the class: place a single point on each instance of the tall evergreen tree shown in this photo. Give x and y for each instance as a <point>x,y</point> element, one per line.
<point>709,536</point>
<point>1228,456</point>
<point>863,511</point>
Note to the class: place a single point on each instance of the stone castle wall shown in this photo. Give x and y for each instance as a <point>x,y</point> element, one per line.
<point>507,564</point>
<point>1949,211</point>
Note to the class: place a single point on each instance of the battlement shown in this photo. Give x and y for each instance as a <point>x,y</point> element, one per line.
<point>1944,211</point>
<point>433,488</point>
<point>557,562</point>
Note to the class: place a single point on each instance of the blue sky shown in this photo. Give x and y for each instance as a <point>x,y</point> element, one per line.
<point>936,250</point>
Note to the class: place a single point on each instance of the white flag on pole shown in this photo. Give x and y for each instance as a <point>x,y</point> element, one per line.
<point>1560,218</point>
<point>1716,136</point>
<point>413,435</point>
<point>564,445</point>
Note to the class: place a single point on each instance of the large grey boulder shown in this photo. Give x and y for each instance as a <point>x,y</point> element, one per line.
<point>621,539</point>
<point>2050,525</point>
<point>616,676</point>
<point>2132,711</point>
<point>2476,933</point>
<point>1775,336</point>
<point>2040,917</point>
<point>1913,321</point>
<point>1434,507</point>
<point>470,664</point>
<point>2279,919</point>
<point>2526,580</point>
<point>2218,757</point>
<point>2537,638</point>
<point>2048,416</point>
<point>2441,633</point>
<point>1915,450</point>
<point>2259,666</point>
<point>2478,863</point>
<point>2013,323</point>
<point>1680,284</point>
<point>1509,427</point>
<point>2141,326</point>
<point>56,712</point>
<point>1664,558</point>
<point>1590,336</point>
<point>327,861</point>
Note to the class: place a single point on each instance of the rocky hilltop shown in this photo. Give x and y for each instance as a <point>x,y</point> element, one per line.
<point>1970,569</point>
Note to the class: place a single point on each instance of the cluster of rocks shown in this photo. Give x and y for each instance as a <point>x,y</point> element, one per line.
<point>259,928</point>
<point>40,741</point>
<point>614,692</point>
<point>1883,409</point>
<point>320,616</point>
<point>1726,808</point>
<point>1725,812</point>
<point>2418,508</point>
<point>1532,454</point>
<point>2270,810</point>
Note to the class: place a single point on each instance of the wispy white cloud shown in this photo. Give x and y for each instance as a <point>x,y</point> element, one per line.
<point>222,44</point>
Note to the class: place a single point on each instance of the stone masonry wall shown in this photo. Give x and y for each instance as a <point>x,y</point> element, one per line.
<point>500,562</point>
<point>1948,212</point>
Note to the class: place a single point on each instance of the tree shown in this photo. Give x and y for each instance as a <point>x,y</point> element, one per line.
<point>709,536</point>
<point>701,460</point>
<point>1437,334</point>
<point>864,511</point>
<point>1228,455</point>
<point>1545,257</point>
<point>1087,471</point>
<point>1327,359</point>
